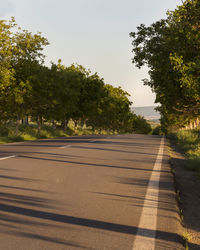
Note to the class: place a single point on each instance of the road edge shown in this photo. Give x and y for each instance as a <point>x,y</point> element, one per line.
<point>183,178</point>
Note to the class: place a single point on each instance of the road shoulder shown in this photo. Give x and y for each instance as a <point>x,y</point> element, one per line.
<point>188,186</point>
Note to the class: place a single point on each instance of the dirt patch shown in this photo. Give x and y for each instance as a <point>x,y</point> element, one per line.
<point>188,184</point>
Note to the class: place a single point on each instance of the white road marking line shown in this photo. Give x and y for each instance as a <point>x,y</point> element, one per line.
<point>8,157</point>
<point>146,233</point>
<point>68,146</point>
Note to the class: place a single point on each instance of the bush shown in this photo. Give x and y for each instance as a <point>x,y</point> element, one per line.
<point>157,130</point>
<point>4,131</point>
<point>141,126</point>
<point>189,142</point>
<point>193,164</point>
<point>187,139</point>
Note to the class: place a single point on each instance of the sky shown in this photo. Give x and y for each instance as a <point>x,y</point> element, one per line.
<point>93,33</point>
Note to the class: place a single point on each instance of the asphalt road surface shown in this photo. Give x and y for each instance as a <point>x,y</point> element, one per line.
<point>90,192</point>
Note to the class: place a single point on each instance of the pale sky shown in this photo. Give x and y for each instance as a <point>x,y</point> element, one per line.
<point>93,33</point>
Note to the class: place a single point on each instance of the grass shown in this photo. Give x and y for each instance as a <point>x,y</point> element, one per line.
<point>9,139</point>
<point>29,132</point>
<point>189,142</point>
<point>187,238</point>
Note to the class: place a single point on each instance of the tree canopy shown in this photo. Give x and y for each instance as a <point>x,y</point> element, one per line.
<point>57,93</point>
<point>171,49</point>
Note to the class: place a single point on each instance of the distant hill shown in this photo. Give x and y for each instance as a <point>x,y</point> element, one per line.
<point>148,112</point>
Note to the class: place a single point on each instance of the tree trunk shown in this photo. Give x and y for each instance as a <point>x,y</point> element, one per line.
<point>53,124</point>
<point>197,121</point>
<point>65,125</point>
<point>195,124</point>
<point>17,125</point>
<point>39,123</point>
<point>25,120</point>
<point>75,124</point>
<point>82,123</point>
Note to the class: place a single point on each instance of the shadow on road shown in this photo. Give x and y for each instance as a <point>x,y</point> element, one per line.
<point>15,211</point>
<point>172,237</point>
<point>88,164</point>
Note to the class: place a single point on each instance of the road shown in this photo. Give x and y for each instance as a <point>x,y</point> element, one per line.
<point>89,192</point>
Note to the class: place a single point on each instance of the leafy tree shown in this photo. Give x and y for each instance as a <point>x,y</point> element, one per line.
<point>58,93</point>
<point>20,53</point>
<point>171,48</point>
<point>114,109</point>
<point>140,125</point>
<point>26,60</point>
<point>67,82</point>
<point>6,71</point>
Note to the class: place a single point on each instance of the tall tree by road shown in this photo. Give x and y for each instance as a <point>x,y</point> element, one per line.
<point>171,49</point>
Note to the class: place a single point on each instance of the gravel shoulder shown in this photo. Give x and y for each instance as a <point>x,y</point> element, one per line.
<point>188,187</point>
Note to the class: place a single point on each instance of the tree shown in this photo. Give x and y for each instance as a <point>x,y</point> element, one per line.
<point>20,53</point>
<point>113,110</point>
<point>57,93</point>
<point>6,70</point>
<point>141,126</point>
<point>27,59</point>
<point>67,83</point>
<point>171,48</point>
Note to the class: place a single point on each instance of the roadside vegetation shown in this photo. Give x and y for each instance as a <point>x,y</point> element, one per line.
<point>27,132</point>
<point>189,142</point>
<point>37,101</point>
<point>157,130</point>
<point>30,132</point>
<point>170,48</point>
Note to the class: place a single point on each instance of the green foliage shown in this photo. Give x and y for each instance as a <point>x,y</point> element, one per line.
<point>157,130</point>
<point>171,49</point>
<point>141,126</point>
<point>4,131</point>
<point>189,142</point>
<point>113,110</point>
<point>29,132</point>
<point>185,139</point>
<point>20,53</point>
<point>55,94</point>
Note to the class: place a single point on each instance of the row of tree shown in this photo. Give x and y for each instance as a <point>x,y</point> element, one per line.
<point>171,49</point>
<point>56,93</point>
